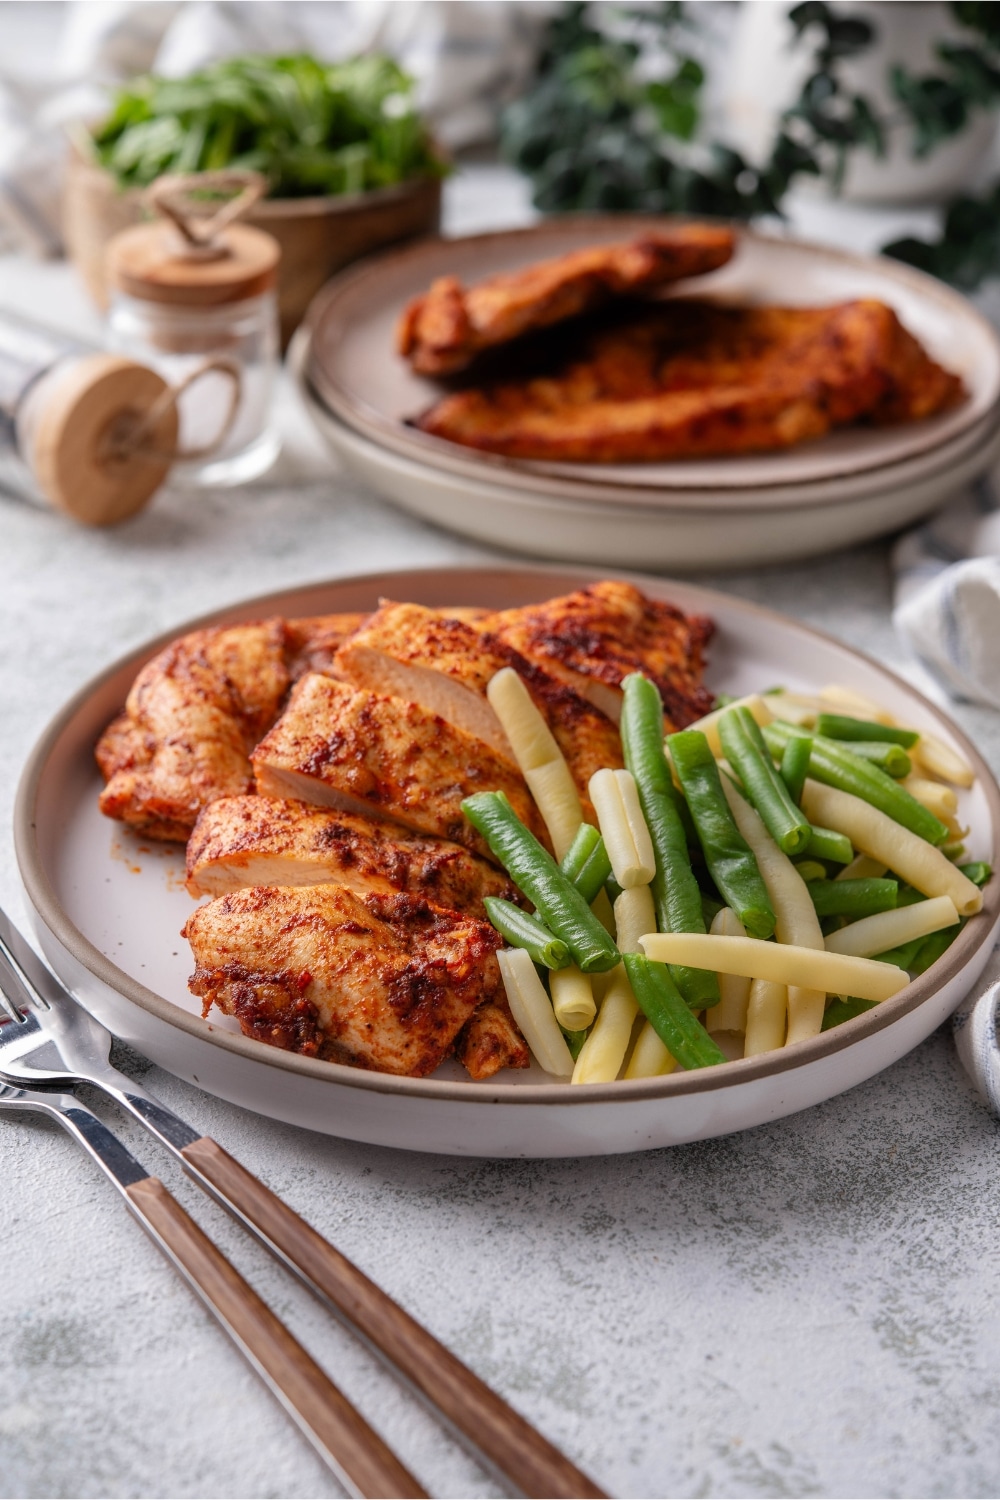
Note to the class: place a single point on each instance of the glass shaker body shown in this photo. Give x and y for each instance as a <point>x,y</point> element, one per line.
<point>176,341</point>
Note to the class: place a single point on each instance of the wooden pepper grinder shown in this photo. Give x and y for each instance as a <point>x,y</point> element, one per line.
<point>91,434</point>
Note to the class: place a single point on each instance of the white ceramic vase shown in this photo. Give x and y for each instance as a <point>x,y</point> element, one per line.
<point>766,71</point>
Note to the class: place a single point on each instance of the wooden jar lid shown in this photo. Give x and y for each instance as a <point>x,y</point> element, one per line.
<point>80,462</point>
<point>150,262</point>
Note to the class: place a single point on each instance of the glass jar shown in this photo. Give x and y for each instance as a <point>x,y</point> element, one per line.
<point>176,341</point>
<point>198,303</point>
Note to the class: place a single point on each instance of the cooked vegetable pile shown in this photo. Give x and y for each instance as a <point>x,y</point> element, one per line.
<point>777,869</point>
<point>311,129</point>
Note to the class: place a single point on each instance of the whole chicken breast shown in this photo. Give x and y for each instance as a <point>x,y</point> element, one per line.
<point>386,983</point>
<point>687,379</point>
<point>445,329</point>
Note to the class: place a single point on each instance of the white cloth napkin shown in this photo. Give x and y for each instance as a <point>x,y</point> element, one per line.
<point>947,593</point>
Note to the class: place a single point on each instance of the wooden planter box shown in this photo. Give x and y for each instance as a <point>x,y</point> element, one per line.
<point>318,236</point>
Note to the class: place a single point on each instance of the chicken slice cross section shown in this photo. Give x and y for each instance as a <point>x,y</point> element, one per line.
<point>364,752</point>
<point>253,840</point>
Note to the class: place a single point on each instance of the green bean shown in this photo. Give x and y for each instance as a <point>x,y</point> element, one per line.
<point>832,764</point>
<point>853,898</point>
<point>613,889</point>
<point>903,956</point>
<point>842,727</point>
<point>825,844</point>
<point>977,872</point>
<point>727,853</point>
<point>954,850</point>
<point>763,786</point>
<point>908,896</point>
<point>586,862</point>
<point>892,759</point>
<point>795,765</point>
<point>574,1041</point>
<point>533,870</point>
<point>810,869</point>
<point>932,947</point>
<point>709,910</point>
<point>584,843</point>
<point>683,1035</point>
<point>523,930</point>
<point>675,891</point>
<point>839,1011</point>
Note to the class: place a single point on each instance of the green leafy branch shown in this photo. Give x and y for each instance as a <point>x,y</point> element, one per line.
<point>593,134</point>
<point>308,127</point>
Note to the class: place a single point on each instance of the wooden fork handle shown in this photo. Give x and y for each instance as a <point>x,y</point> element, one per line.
<point>510,1443</point>
<point>353,1450</point>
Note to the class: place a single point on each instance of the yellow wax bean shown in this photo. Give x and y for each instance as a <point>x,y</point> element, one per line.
<point>766,1015</point>
<point>650,1058</point>
<point>834,973</point>
<point>873,833</point>
<point>734,989</point>
<point>572,998</point>
<point>891,929</point>
<point>532,1010</point>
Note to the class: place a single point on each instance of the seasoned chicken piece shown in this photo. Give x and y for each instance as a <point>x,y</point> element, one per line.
<point>490,1040</point>
<point>431,658</point>
<point>243,841</point>
<point>445,665</point>
<point>363,752</point>
<point>386,983</point>
<point>445,329</point>
<point>594,638</point>
<point>311,643</point>
<point>687,379</point>
<point>191,718</point>
<point>196,711</point>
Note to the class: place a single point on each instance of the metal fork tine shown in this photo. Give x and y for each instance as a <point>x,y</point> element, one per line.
<point>8,1006</point>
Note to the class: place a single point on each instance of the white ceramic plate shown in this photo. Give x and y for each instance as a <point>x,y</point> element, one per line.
<point>109,908</point>
<point>685,530</point>
<point>356,371</point>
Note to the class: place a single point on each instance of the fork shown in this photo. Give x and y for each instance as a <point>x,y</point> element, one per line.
<point>51,1041</point>
<point>355,1453</point>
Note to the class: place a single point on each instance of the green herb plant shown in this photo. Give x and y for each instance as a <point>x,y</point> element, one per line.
<point>595,132</point>
<point>310,128</point>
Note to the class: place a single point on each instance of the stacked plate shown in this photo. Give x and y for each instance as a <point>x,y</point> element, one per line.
<point>740,510</point>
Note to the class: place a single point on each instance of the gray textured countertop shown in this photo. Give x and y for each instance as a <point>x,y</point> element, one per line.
<point>805,1309</point>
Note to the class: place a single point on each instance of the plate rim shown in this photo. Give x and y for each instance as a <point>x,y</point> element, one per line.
<point>665,506</point>
<point>48,907</point>
<point>424,446</point>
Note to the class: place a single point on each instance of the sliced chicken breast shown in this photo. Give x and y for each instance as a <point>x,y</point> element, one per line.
<point>364,752</point>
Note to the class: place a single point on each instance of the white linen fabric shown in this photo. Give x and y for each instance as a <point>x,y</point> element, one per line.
<point>467,60</point>
<point>947,593</point>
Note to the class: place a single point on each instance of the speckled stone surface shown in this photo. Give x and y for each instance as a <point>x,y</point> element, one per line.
<point>806,1309</point>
